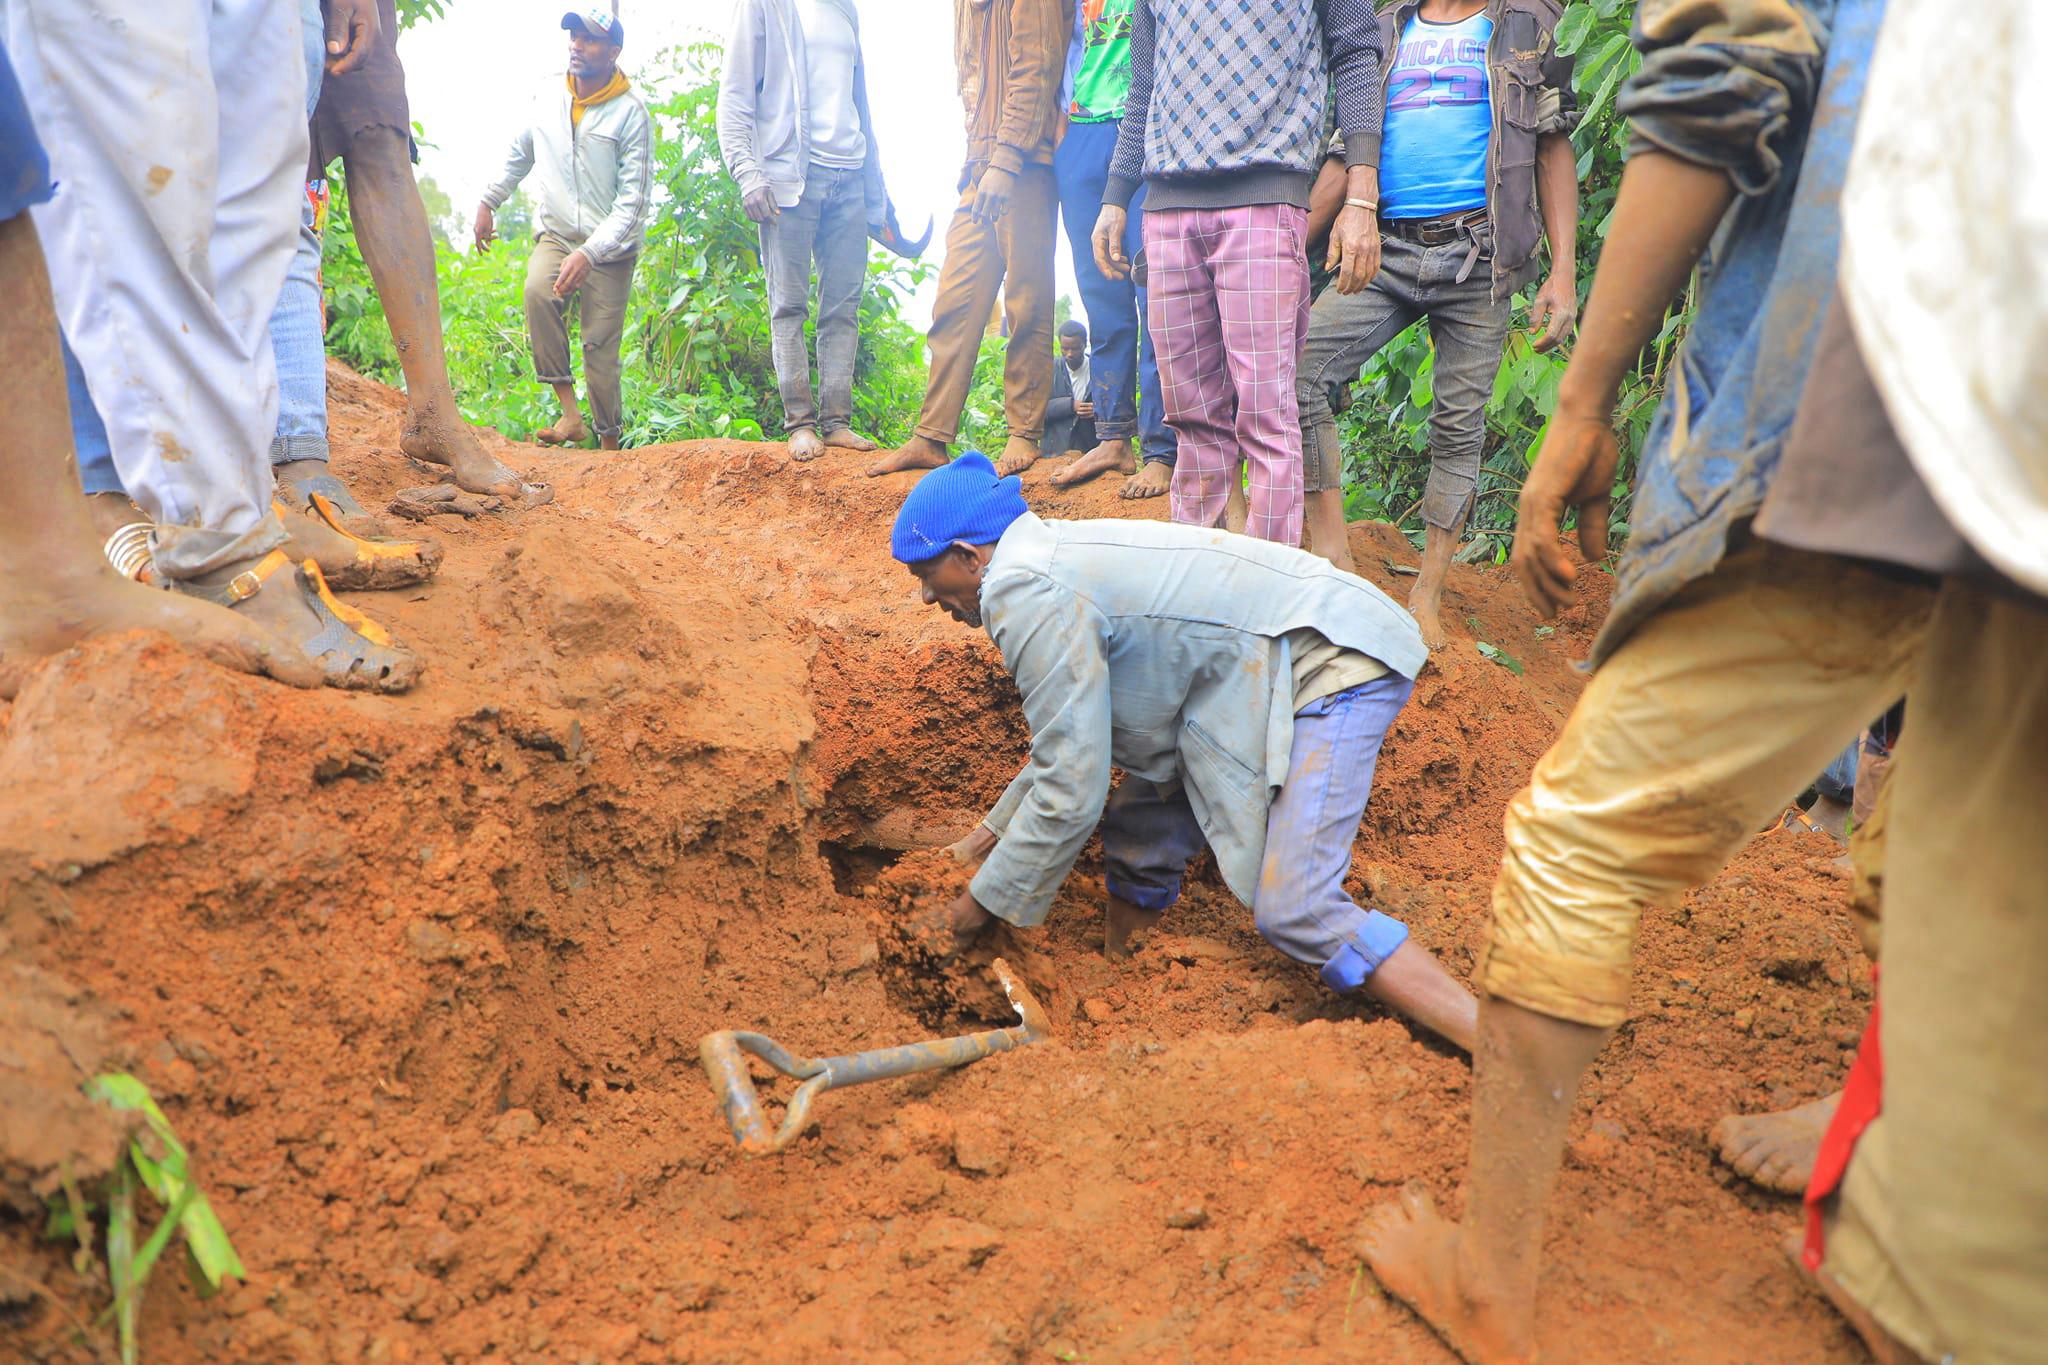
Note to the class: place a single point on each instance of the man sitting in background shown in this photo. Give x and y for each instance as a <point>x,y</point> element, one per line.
<point>593,149</point>
<point>1070,416</point>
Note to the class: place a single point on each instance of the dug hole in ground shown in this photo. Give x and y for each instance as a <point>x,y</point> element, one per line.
<point>422,980</point>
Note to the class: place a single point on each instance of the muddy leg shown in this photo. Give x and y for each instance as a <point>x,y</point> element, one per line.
<point>1475,1282</point>
<point>1426,600</point>
<point>391,229</point>
<point>56,589</point>
<point>1107,456</point>
<point>1328,536</point>
<point>1123,921</point>
<point>1416,984</point>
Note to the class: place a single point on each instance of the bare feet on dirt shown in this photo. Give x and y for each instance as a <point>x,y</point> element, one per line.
<point>917,453</point>
<point>1776,1151</point>
<point>846,438</point>
<point>1413,1250</point>
<point>1154,479</point>
<point>289,605</point>
<point>1123,923</point>
<point>452,444</point>
<point>50,613</point>
<point>567,431</point>
<point>1328,533</point>
<point>1019,454</point>
<point>805,445</point>
<point>352,563</point>
<point>1106,458</point>
<point>1427,609</point>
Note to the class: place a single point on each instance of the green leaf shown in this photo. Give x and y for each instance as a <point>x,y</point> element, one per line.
<point>121,1259</point>
<point>1501,657</point>
<point>1573,27</point>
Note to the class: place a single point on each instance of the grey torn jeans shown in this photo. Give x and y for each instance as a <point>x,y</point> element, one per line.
<point>829,224</point>
<point>1469,328</point>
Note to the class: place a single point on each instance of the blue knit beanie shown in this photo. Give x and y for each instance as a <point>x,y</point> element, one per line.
<point>961,501</point>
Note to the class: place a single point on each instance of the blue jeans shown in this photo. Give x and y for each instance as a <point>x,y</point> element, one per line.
<point>1149,835</point>
<point>295,337</point>
<point>1118,342</point>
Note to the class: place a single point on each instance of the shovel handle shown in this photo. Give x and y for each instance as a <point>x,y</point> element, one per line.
<point>724,1057</point>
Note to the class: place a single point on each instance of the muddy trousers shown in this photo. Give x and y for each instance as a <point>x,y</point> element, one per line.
<point>1150,833</point>
<point>1701,726</point>
<point>178,135</point>
<point>1012,257</point>
<point>601,304</point>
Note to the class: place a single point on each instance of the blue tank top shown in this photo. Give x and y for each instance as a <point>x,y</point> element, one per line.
<point>1439,120</point>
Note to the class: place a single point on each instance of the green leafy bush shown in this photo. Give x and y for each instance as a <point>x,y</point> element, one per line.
<point>696,357</point>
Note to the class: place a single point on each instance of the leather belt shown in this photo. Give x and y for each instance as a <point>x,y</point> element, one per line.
<point>1434,231</point>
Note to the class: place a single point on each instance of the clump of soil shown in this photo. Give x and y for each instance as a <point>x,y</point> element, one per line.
<point>909,901</point>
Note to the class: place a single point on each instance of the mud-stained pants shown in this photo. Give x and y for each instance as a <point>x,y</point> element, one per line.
<point>177,133</point>
<point>1701,726</point>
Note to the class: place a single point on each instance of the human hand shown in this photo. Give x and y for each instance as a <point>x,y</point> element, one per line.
<point>1354,248</point>
<point>1084,408</point>
<point>1575,469</point>
<point>1554,310</point>
<point>967,920</point>
<point>992,194</point>
<point>975,847</point>
<point>575,269</point>
<point>351,32</point>
<point>1108,241</point>
<point>486,227</point>
<point>761,206</point>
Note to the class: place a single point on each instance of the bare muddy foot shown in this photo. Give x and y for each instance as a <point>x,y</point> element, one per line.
<point>846,438</point>
<point>1154,479</point>
<point>1328,534</point>
<point>567,431</point>
<point>454,446</point>
<point>916,453</point>
<point>1414,1252</point>
<point>49,615</point>
<point>1776,1151</point>
<point>1106,458</point>
<point>805,445</point>
<point>1019,454</point>
<point>1427,609</point>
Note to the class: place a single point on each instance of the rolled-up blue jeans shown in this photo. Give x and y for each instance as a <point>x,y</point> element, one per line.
<point>295,338</point>
<point>1118,344</point>
<point>1149,834</point>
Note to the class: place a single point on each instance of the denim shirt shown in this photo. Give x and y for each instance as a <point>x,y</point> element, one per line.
<point>1775,107</point>
<point>1157,648</point>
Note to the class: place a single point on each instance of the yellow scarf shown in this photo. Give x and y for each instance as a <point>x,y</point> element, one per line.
<point>613,88</point>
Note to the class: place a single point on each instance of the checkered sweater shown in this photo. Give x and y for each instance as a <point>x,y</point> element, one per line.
<point>1228,98</point>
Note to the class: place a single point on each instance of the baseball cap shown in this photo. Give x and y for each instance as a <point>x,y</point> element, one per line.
<point>598,24</point>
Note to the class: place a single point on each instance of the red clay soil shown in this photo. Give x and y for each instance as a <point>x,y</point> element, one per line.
<point>421,981</point>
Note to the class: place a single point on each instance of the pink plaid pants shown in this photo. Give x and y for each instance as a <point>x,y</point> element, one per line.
<point>1229,312</point>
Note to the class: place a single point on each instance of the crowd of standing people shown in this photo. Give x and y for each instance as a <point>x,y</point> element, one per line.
<point>1843,500</point>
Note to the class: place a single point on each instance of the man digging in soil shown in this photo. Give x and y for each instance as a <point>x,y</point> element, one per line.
<point>1243,687</point>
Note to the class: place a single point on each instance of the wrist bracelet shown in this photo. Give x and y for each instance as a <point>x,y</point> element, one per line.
<point>1369,205</point>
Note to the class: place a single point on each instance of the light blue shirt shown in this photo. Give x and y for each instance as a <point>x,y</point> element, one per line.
<point>1157,648</point>
<point>1439,120</point>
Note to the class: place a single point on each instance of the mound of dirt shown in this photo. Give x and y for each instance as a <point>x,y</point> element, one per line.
<point>422,980</point>
<point>919,968</point>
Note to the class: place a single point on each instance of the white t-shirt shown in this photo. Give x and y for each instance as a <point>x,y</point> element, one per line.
<point>1945,264</point>
<point>831,49</point>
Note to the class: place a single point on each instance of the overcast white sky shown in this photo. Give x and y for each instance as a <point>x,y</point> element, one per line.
<point>470,75</point>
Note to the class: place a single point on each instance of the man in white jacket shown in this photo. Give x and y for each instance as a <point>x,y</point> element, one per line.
<point>794,128</point>
<point>592,149</point>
